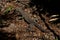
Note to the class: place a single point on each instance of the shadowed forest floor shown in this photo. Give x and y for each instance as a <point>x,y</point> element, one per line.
<point>28,20</point>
